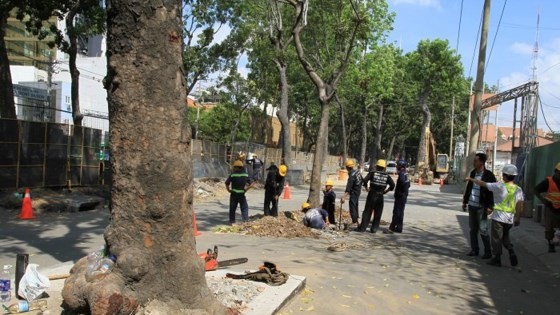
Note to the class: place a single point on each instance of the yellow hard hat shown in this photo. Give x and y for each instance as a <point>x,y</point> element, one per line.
<point>305,205</point>
<point>282,170</point>
<point>237,163</point>
<point>381,163</point>
<point>350,163</point>
<point>329,183</point>
<point>557,167</point>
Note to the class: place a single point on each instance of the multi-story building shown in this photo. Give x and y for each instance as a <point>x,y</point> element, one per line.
<point>35,67</point>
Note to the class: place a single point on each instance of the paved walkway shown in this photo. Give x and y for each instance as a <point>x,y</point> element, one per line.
<point>422,271</point>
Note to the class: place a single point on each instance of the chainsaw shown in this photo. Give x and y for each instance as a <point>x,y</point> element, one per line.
<point>211,263</point>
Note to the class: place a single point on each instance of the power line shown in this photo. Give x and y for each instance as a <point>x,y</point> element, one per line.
<point>496,34</point>
<point>544,117</point>
<point>459,29</point>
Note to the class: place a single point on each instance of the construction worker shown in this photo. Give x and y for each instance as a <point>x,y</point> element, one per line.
<point>314,218</point>
<point>479,200</point>
<point>329,199</point>
<point>240,183</point>
<point>508,205</point>
<point>353,190</point>
<point>378,181</point>
<point>257,166</point>
<point>273,187</point>
<point>548,193</point>
<point>401,194</point>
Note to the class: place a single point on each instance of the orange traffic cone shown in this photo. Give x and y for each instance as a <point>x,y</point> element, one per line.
<point>420,181</point>
<point>287,193</point>
<point>26,208</point>
<point>441,182</point>
<point>195,226</point>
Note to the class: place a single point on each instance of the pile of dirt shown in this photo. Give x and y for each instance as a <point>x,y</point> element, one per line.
<point>288,224</point>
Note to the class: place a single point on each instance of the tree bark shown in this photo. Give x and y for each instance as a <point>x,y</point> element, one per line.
<point>344,136</point>
<point>283,113</point>
<point>151,230</point>
<point>7,105</point>
<point>391,146</point>
<point>318,157</point>
<point>427,119</point>
<point>378,134</point>
<point>363,147</point>
<point>74,72</point>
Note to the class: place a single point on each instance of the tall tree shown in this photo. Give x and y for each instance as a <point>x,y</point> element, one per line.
<point>35,13</point>
<point>150,233</point>
<point>203,53</point>
<point>84,18</point>
<point>437,70</point>
<point>325,51</point>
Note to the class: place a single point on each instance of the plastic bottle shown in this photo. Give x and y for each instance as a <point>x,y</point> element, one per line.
<point>93,260</point>
<point>24,306</point>
<point>5,284</point>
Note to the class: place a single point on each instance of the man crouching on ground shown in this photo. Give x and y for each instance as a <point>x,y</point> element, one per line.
<point>314,218</point>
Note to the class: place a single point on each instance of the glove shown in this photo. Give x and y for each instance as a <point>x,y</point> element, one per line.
<point>464,207</point>
<point>516,223</point>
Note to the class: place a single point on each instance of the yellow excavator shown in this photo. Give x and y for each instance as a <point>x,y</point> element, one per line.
<point>434,164</point>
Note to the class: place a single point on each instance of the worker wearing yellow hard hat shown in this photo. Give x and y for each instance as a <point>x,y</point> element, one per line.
<point>273,187</point>
<point>237,183</point>
<point>353,190</point>
<point>314,218</point>
<point>375,183</point>
<point>329,199</point>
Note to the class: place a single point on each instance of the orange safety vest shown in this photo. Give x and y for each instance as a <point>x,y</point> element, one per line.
<point>553,193</point>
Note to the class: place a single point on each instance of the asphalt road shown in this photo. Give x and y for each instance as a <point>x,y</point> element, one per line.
<point>422,271</point>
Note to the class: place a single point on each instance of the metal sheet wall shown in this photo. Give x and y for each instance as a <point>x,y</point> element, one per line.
<point>39,154</point>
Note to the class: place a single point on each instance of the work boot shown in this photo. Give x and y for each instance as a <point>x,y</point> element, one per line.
<point>495,261</point>
<point>513,259</point>
<point>472,253</point>
<point>551,248</point>
<point>487,255</point>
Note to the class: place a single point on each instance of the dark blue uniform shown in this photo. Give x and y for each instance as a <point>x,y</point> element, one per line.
<point>401,194</point>
<point>239,179</point>
<point>329,199</point>
<point>354,189</point>
<point>273,187</point>
<point>378,182</point>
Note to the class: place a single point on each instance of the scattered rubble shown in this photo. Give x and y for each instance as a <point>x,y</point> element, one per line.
<point>209,187</point>
<point>232,293</point>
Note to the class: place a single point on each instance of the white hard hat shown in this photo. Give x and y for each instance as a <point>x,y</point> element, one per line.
<point>510,169</point>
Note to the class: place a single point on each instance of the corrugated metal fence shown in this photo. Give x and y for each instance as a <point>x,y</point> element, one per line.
<point>42,154</point>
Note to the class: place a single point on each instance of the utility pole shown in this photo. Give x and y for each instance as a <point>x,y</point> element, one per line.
<point>479,83</point>
<point>50,69</point>
<point>452,121</point>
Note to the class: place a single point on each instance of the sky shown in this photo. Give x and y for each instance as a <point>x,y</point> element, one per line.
<point>510,61</point>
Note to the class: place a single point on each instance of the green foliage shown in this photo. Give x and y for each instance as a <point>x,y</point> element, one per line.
<point>217,122</point>
<point>203,19</point>
<point>437,71</point>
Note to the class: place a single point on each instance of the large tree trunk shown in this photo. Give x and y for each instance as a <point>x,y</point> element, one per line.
<point>378,135</point>
<point>363,147</point>
<point>391,148</point>
<point>283,114</point>
<point>74,72</point>
<point>7,105</point>
<point>344,136</point>
<point>319,157</point>
<point>151,195</point>
<point>422,159</point>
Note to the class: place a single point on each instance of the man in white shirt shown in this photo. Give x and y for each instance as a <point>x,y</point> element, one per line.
<point>508,205</point>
